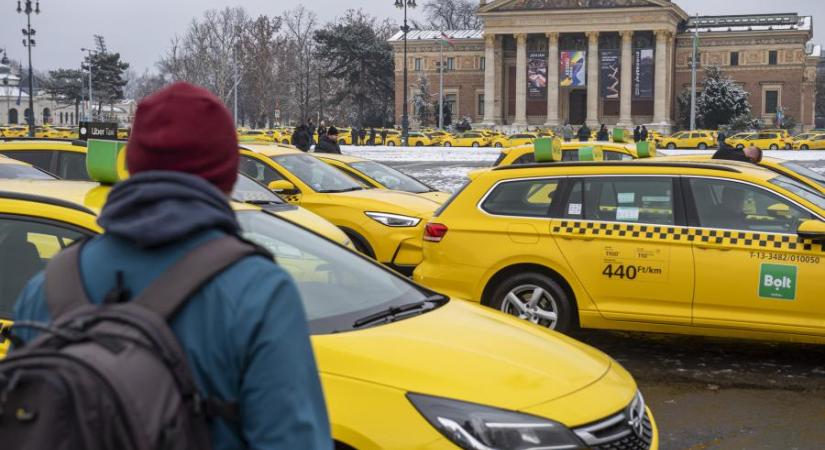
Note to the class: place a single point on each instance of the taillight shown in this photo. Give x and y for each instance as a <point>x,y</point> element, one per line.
<point>434,232</point>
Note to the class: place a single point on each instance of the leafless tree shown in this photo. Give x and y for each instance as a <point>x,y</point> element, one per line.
<point>299,26</point>
<point>452,15</point>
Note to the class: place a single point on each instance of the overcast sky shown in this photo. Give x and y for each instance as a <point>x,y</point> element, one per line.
<point>141,29</point>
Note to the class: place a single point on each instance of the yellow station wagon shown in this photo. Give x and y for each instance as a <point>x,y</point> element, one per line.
<point>715,248</point>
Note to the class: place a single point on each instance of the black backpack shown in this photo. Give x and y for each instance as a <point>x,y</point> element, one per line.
<point>112,376</point>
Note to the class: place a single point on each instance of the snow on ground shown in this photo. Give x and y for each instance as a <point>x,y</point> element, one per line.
<point>384,153</point>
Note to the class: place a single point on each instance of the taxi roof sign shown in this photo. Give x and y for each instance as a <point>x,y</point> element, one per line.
<point>591,153</point>
<point>547,149</point>
<point>106,161</point>
<point>645,149</point>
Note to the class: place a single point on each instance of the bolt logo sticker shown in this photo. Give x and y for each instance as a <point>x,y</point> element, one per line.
<point>777,282</point>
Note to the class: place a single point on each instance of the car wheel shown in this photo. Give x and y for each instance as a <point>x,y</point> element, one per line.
<point>774,147</point>
<point>498,145</point>
<point>285,142</point>
<point>447,144</point>
<point>536,298</point>
<point>702,146</point>
<point>804,147</point>
<point>671,146</point>
<point>419,144</point>
<point>359,242</point>
<point>341,142</point>
<point>475,144</point>
<point>391,144</point>
<point>740,146</point>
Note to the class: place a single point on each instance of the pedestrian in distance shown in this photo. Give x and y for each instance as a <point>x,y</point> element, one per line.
<point>584,133</point>
<point>383,136</point>
<point>603,135</point>
<point>322,130</point>
<point>300,138</point>
<point>329,143</point>
<point>567,131</point>
<point>354,134</point>
<point>311,132</point>
<point>372,136</point>
<point>237,351</point>
<point>637,134</point>
<point>362,135</point>
<point>643,134</point>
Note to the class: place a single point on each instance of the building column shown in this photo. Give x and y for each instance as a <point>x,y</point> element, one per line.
<point>521,80</point>
<point>626,95</point>
<point>552,80</point>
<point>660,83</point>
<point>489,80</point>
<point>593,79</point>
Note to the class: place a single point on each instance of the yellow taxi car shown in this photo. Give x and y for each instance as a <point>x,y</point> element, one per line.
<point>386,225</point>
<point>470,139</point>
<point>14,131</point>
<point>376,175</point>
<point>254,136</point>
<point>123,133</point>
<point>809,141</point>
<point>67,132</point>
<point>764,140</point>
<point>688,139</point>
<point>570,152</point>
<point>438,137</point>
<point>394,358</point>
<point>513,140</point>
<point>47,132</point>
<point>736,138</point>
<point>66,160</point>
<point>418,139</point>
<point>713,248</point>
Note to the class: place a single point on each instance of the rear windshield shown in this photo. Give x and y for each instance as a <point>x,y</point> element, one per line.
<point>14,171</point>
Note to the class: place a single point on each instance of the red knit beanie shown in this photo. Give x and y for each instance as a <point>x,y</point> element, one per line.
<point>184,128</point>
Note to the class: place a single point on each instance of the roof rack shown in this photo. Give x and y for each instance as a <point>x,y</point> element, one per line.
<point>44,199</point>
<point>677,164</point>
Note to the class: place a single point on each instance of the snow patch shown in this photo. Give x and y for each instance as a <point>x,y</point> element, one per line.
<point>387,153</point>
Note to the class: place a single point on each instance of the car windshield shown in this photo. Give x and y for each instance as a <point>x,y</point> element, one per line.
<point>248,190</point>
<point>812,175</point>
<point>15,171</point>
<point>318,175</point>
<point>336,285</point>
<point>390,178</point>
<point>801,190</point>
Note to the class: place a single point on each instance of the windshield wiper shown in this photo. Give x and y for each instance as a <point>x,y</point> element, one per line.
<point>264,202</point>
<point>335,191</point>
<point>393,313</point>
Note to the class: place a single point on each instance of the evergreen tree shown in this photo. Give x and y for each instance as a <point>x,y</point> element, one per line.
<point>422,103</point>
<point>107,75</point>
<point>66,87</point>
<point>721,101</point>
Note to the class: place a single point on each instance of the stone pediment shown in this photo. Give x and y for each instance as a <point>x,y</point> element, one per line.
<point>549,5</point>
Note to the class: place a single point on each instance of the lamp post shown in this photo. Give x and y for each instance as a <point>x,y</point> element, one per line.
<point>28,42</point>
<point>405,118</point>
<point>5,62</point>
<point>90,112</point>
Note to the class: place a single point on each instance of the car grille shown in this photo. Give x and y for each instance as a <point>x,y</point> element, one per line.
<point>628,430</point>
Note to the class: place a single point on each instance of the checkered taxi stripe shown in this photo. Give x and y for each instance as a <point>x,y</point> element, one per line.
<point>761,241</point>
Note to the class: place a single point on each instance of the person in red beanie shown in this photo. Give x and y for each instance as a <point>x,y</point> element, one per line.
<point>244,332</point>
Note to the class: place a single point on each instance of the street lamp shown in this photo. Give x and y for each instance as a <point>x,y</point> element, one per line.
<point>28,42</point>
<point>405,119</point>
<point>5,62</point>
<point>90,113</point>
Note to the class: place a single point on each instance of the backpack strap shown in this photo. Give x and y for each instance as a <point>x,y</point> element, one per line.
<point>64,285</point>
<point>167,294</point>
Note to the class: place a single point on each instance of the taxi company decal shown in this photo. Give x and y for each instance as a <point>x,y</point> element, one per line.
<point>777,282</point>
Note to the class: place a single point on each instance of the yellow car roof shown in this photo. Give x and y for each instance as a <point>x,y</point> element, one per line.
<point>41,144</point>
<point>271,149</point>
<point>346,159</point>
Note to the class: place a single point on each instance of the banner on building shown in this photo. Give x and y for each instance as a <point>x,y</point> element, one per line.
<point>573,68</point>
<point>610,74</point>
<point>537,75</point>
<point>643,73</point>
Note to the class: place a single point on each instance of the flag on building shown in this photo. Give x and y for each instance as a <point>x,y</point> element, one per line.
<point>443,39</point>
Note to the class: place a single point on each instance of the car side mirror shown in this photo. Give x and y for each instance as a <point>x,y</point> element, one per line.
<point>281,187</point>
<point>779,210</point>
<point>812,229</point>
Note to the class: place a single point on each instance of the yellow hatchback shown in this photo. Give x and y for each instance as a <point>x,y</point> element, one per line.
<point>376,175</point>
<point>714,248</point>
<point>383,224</point>
<point>513,140</point>
<point>470,139</point>
<point>396,361</point>
<point>764,140</point>
<point>688,139</point>
<point>809,141</point>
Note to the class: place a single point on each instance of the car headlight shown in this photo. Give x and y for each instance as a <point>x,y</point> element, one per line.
<point>393,220</point>
<point>477,427</point>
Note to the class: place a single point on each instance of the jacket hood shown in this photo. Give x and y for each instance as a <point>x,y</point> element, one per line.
<point>153,209</point>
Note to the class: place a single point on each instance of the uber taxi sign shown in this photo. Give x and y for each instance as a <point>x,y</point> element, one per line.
<point>777,282</point>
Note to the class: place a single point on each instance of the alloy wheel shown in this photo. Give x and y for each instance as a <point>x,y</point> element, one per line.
<point>532,303</point>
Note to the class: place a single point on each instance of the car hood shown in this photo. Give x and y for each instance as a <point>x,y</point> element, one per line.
<point>466,352</point>
<point>313,222</point>
<point>436,196</point>
<point>382,200</point>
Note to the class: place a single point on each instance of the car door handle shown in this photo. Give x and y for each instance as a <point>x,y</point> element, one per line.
<point>707,247</point>
<point>578,238</point>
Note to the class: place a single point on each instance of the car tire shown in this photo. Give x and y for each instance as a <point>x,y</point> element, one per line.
<point>804,147</point>
<point>475,144</point>
<point>391,144</point>
<point>703,146</point>
<point>342,142</point>
<point>498,145</point>
<point>552,309</point>
<point>671,146</point>
<point>774,147</point>
<point>447,144</point>
<point>740,147</point>
<point>419,144</point>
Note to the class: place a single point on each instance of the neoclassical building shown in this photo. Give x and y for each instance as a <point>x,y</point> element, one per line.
<point>547,62</point>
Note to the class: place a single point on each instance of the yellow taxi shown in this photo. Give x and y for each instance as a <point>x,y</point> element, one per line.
<point>47,132</point>
<point>283,136</point>
<point>66,160</point>
<point>376,175</point>
<point>254,136</point>
<point>14,131</point>
<point>438,137</point>
<point>67,132</point>
<point>123,133</point>
<point>570,152</point>
<point>470,139</point>
<point>386,225</point>
<point>688,139</point>
<point>395,359</point>
<point>418,139</point>
<point>707,248</point>
<point>764,140</point>
<point>736,138</point>
<point>513,140</point>
<point>809,141</point>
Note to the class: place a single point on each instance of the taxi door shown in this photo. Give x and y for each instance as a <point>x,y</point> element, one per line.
<point>752,271</point>
<point>818,142</point>
<point>621,236</point>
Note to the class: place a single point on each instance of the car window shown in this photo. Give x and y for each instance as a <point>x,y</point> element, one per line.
<point>799,189</point>
<point>737,206</point>
<point>72,166</point>
<point>318,175</point>
<point>390,178</point>
<point>250,191</point>
<point>622,199</point>
<point>812,175</point>
<point>258,171</point>
<point>696,135</point>
<point>527,158</point>
<point>20,171</point>
<point>527,198</point>
<point>39,158</point>
<point>25,248</point>
<point>678,135</point>
<point>616,156</point>
<point>337,286</point>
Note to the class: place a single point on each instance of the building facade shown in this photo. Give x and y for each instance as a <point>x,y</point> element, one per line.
<point>617,62</point>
